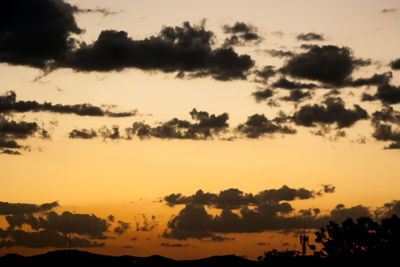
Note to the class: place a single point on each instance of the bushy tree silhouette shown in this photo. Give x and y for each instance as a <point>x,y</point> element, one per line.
<point>364,238</point>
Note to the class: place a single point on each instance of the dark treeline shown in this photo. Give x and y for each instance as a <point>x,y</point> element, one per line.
<point>363,241</point>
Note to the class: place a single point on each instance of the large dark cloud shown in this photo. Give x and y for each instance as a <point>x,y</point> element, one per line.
<point>193,221</point>
<point>65,223</point>
<point>206,126</point>
<point>9,103</point>
<point>46,238</point>
<point>36,226</point>
<point>330,64</point>
<point>183,49</point>
<point>234,198</point>
<point>311,36</point>
<point>47,26</point>
<point>35,32</point>
<point>7,208</point>
<point>332,111</point>
<point>241,34</point>
<point>266,211</point>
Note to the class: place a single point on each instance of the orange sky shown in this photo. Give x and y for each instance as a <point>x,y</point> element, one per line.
<point>128,178</point>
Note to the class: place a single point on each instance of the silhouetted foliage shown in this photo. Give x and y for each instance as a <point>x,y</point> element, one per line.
<point>364,238</point>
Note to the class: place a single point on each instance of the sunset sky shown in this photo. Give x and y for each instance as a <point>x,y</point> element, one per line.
<point>195,128</point>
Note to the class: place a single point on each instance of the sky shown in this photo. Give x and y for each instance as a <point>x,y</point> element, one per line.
<point>194,128</point>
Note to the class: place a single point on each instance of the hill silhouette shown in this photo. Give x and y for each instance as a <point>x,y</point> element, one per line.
<point>73,258</point>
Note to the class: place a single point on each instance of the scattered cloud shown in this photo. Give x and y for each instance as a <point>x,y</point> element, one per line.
<point>329,64</point>
<point>311,36</point>
<point>9,103</point>
<point>258,125</point>
<point>241,34</point>
<point>332,111</point>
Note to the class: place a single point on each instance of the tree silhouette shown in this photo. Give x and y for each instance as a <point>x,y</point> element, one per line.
<point>364,238</point>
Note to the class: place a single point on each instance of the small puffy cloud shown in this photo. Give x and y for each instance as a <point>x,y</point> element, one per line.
<point>258,125</point>
<point>311,36</point>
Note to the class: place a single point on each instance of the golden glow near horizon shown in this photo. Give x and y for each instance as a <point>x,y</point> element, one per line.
<point>129,178</point>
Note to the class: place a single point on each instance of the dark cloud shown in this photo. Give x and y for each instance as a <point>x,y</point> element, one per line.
<point>112,133</point>
<point>20,130</point>
<point>263,94</point>
<point>395,64</point>
<point>238,27</point>
<point>121,228</point>
<point>290,85</point>
<point>280,53</point>
<point>276,214</point>
<point>82,134</point>
<point>264,74</point>
<point>193,221</point>
<point>174,245</point>
<point>330,64</point>
<point>241,34</point>
<point>387,114</point>
<point>101,10</point>
<point>183,49</point>
<point>11,130</point>
<point>49,229</point>
<point>328,188</point>
<point>111,218</point>
<point>46,25</point>
<point>9,151</point>
<point>376,79</point>
<point>9,103</point>
<point>311,36</point>
<point>388,94</point>
<point>46,238</point>
<point>146,225</point>
<point>65,223</point>
<point>385,132</point>
<point>298,95</point>
<point>234,198</point>
<point>332,111</point>
<point>206,126</point>
<point>7,208</point>
<point>258,125</point>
